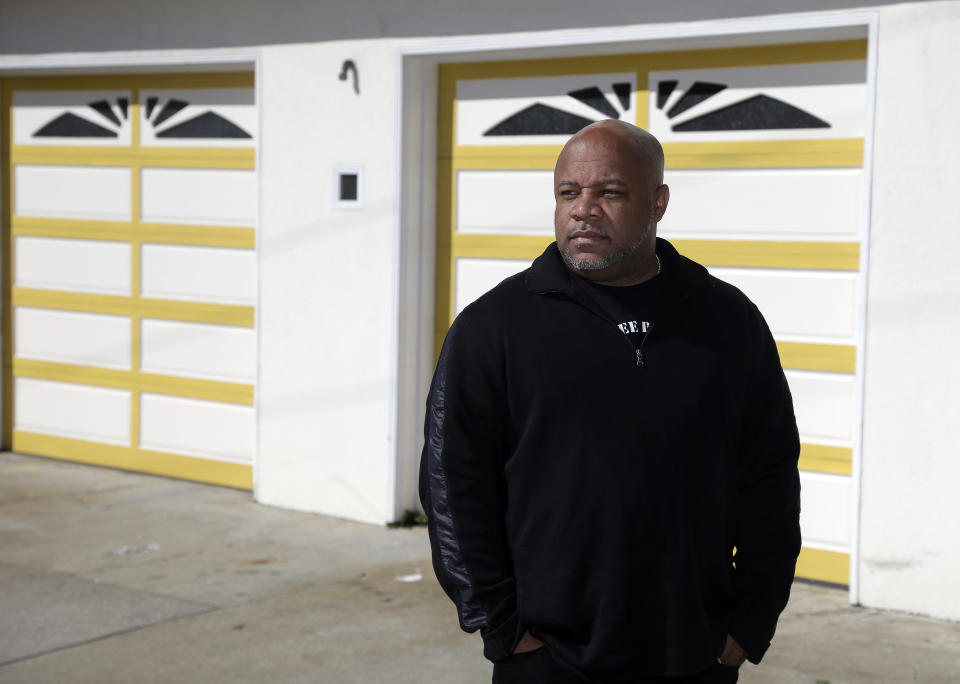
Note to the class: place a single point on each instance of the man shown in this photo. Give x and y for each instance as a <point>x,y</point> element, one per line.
<point>603,430</point>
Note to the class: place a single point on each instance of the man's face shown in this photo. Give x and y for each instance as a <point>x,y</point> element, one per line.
<point>607,207</point>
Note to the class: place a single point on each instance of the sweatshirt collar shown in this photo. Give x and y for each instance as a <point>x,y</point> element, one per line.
<point>683,276</point>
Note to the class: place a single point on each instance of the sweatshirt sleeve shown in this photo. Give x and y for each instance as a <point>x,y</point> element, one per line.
<point>768,502</point>
<point>461,489</point>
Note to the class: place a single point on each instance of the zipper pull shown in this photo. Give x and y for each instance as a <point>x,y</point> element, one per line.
<point>641,362</point>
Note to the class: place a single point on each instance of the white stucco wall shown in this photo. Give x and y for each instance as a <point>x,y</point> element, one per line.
<point>909,556</point>
<point>326,282</point>
<point>31,27</point>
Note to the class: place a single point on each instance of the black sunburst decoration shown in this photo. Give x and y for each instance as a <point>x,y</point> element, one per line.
<point>542,119</point>
<point>758,112</point>
<point>209,124</point>
<point>69,125</point>
<point>104,122</point>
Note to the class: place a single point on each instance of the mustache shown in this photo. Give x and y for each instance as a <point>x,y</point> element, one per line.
<point>584,229</point>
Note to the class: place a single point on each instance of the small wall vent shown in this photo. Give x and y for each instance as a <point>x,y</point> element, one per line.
<point>347,187</point>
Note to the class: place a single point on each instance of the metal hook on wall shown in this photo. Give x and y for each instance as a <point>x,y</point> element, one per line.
<point>348,65</point>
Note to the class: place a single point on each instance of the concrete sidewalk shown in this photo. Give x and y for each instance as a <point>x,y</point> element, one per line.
<point>116,577</point>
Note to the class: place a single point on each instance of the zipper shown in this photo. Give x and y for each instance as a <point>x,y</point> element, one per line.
<point>603,315</point>
<point>591,306</point>
<point>641,362</point>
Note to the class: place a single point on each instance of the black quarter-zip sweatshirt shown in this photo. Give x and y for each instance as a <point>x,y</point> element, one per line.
<point>593,493</point>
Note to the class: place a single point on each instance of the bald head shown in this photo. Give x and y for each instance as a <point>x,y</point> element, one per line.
<point>631,141</point>
<point>609,191</point>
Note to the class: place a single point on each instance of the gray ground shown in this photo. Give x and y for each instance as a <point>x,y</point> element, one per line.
<point>116,577</point>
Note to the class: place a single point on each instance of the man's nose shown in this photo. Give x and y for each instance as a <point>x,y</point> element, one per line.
<point>586,207</point>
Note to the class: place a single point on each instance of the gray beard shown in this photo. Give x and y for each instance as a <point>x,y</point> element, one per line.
<point>593,262</point>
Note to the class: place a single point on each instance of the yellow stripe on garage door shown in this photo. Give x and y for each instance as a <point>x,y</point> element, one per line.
<point>219,79</point>
<point>830,256</point>
<point>222,473</point>
<point>824,566</point>
<point>194,388</point>
<point>795,53</point>
<point>174,310</point>
<point>842,152</point>
<point>156,233</point>
<point>835,358</point>
<point>819,458</point>
<point>163,157</point>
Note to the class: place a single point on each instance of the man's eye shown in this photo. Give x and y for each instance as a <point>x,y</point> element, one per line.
<point>568,193</point>
<point>611,193</point>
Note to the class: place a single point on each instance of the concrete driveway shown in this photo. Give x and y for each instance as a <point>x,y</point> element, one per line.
<point>108,576</point>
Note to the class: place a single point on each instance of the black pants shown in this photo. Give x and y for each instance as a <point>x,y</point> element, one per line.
<point>538,667</point>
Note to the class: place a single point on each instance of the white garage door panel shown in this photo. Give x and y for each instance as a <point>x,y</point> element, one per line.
<point>195,427</point>
<point>475,276</point>
<point>221,197</point>
<point>68,410</point>
<point>824,406</point>
<point>199,350</point>
<point>804,305</point>
<point>825,510</point>
<point>729,204</point>
<point>72,192</point>
<point>72,337</point>
<point>95,266</point>
<point>505,202</point>
<point>763,204</point>
<point>200,274</point>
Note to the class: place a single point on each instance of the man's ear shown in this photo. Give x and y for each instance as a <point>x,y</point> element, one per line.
<point>661,198</point>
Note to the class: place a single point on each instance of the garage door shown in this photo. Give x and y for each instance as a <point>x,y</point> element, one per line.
<point>764,154</point>
<point>130,272</point>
